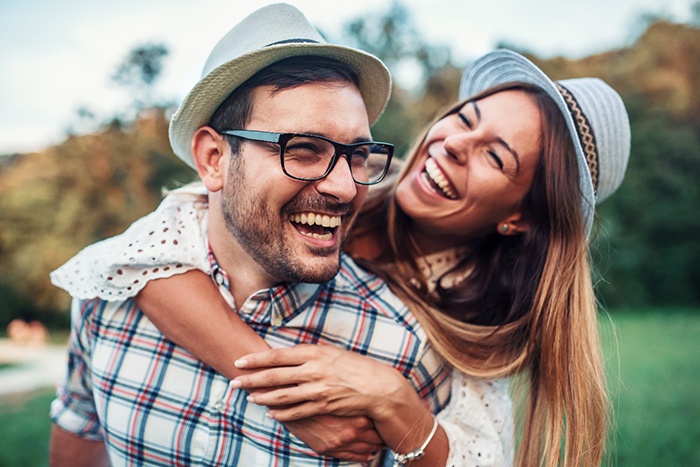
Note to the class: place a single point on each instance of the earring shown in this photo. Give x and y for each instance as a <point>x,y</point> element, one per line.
<point>505,228</point>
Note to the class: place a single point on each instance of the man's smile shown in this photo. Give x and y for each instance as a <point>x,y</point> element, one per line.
<point>316,225</point>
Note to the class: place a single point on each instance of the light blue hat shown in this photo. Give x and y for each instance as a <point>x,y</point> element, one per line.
<point>594,113</point>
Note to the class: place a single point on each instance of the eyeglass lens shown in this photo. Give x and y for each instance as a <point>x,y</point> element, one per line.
<point>310,157</point>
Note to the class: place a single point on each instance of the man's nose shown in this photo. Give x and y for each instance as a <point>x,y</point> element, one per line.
<point>339,183</point>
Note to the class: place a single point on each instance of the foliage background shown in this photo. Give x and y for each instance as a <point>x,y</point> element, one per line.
<point>93,185</point>
<point>647,250</point>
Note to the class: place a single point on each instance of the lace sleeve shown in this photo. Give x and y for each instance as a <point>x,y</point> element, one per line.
<point>170,240</point>
<point>479,422</point>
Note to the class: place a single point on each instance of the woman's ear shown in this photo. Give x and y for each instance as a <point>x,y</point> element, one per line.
<point>209,150</point>
<point>513,225</point>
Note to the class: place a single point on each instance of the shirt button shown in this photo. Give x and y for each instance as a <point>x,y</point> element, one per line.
<point>276,321</point>
<point>219,278</point>
<point>218,406</point>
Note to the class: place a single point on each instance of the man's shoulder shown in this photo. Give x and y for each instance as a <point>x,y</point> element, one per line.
<point>360,281</point>
<point>89,309</point>
<point>371,289</point>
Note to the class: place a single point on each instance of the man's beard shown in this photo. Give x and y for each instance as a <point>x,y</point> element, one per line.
<point>260,231</point>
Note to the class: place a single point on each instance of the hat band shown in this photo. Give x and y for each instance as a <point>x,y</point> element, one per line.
<point>293,41</point>
<point>585,133</point>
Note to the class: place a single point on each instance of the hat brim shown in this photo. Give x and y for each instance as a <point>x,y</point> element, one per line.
<point>210,92</point>
<point>503,67</point>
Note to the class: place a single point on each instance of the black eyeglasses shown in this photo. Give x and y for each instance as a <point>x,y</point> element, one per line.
<point>310,157</point>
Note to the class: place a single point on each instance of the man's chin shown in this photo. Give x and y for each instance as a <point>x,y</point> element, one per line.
<point>317,272</point>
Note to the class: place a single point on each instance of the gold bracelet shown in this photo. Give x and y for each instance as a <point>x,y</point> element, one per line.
<point>403,459</point>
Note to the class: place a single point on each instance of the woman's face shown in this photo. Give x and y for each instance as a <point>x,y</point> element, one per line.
<point>473,170</point>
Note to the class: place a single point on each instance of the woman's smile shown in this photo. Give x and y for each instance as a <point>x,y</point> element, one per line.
<point>434,177</point>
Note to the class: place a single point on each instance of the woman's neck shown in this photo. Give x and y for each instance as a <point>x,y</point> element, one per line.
<point>368,247</point>
<point>429,243</point>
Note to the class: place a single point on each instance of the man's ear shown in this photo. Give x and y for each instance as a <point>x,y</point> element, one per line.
<point>513,225</point>
<point>209,150</point>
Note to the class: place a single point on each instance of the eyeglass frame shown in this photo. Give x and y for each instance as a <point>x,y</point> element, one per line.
<point>281,139</point>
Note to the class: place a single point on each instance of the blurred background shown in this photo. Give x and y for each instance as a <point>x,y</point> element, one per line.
<point>87,91</point>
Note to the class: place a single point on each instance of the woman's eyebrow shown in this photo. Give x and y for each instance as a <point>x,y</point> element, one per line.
<point>502,142</point>
<point>476,110</point>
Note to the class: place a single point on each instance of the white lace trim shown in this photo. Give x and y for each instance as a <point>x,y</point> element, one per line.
<point>479,422</point>
<point>436,264</point>
<point>168,241</point>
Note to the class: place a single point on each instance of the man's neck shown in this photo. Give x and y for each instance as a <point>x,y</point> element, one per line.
<point>245,275</point>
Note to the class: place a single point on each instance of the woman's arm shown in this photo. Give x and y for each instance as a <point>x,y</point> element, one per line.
<point>189,310</point>
<point>328,380</point>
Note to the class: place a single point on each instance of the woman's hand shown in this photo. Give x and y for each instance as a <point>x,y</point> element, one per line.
<point>311,380</point>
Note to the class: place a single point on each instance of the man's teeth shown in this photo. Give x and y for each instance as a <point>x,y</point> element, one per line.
<point>438,178</point>
<point>313,219</point>
<point>316,219</point>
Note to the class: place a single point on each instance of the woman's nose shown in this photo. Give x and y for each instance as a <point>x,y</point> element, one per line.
<point>457,147</point>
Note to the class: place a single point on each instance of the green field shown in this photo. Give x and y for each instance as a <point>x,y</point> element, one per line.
<point>24,429</point>
<point>655,383</point>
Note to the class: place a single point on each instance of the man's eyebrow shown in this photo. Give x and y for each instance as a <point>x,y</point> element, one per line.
<point>358,139</point>
<point>500,140</point>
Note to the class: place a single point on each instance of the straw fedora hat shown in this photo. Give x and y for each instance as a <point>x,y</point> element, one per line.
<point>266,36</point>
<point>594,113</point>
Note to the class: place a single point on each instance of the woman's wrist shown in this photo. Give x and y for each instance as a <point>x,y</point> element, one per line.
<point>405,458</point>
<point>396,397</point>
<point>403,420</point>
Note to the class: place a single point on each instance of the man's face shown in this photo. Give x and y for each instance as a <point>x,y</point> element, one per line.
<point>268,213</point>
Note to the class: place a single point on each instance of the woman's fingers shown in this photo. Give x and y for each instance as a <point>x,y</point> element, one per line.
<point>274,377</point>
<point>295,412</point>
<point>290,356</point>
<point>281,396</point>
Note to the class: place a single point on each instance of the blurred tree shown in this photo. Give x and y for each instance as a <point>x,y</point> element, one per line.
<point>68,196</point>
<point>59,200</point>
<point>433,82</point>
<point>140,70</point>
<point>695,14</point>
<point>647,251</point>
<point>650,226</point>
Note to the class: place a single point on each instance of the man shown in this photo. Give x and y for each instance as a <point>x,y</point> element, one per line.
<point>278,130</point>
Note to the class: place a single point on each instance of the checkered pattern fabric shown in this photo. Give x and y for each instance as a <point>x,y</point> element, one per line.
<point>156,404</point>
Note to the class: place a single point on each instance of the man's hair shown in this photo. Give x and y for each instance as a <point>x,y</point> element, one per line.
<point>235,112</point>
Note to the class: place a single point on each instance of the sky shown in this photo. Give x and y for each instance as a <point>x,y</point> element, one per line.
<point>58,56</point>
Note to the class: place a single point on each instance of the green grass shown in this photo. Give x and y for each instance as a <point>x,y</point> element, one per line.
<point>655,387</point>
<point>24,429</point>
<point>655,383</point>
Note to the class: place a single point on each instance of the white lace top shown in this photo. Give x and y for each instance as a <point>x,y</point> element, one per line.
<point>172,240</point>
<point>168,241</point>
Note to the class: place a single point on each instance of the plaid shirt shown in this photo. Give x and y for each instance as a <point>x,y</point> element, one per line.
<point>156,404</point>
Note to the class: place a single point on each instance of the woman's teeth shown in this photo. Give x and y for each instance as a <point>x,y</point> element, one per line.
<point>438,178</point>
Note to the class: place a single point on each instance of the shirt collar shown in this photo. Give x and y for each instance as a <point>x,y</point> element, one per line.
<point>281,301</point>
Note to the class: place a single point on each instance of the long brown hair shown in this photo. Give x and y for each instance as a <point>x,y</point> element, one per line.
<point>526,307</point>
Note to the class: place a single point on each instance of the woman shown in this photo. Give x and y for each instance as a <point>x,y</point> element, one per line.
<point>486,243</point>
